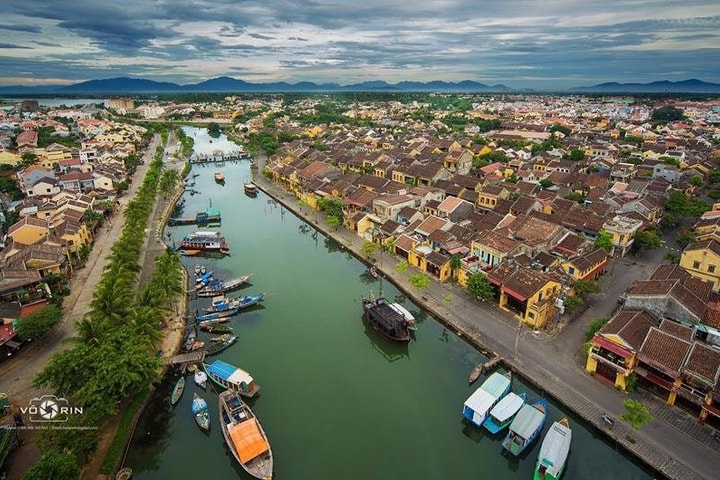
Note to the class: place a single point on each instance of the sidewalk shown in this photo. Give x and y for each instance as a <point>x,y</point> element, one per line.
<point>663,444</point>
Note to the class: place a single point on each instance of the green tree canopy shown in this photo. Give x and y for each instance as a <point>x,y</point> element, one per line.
<point>648,240</point>
<point>604,241</point>
<point>480,287</point>
<point>38,323</point>
<point>668,113</point>
<point>54,465</point>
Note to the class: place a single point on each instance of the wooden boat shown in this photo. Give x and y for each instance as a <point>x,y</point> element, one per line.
<point>219,287</point>
<point>250,188</point>
<point>211,215</point>
<point>217,315</point>
<point>189,341</point>
<point>230,377</point>
<point>204,278</point>
<point>199,409</point>
<point>222,303</point>
<point>205,324</point>
<point>477,406</point>
<point>188,252</point>
<point>525,427</point>
<point>197,269</point>
<point>554,451</point>
<point>218,347</point>
<point>504,412</point>
<point>202,240</point>
<point>216,328</point>
<point>219,177</point>
<point>373,272</point>
<point>177,391</point>
<point>385,320</point>
<point>200,378</point>
<point>476,372</point>
<point>221,338</point>
<point>245,436</point>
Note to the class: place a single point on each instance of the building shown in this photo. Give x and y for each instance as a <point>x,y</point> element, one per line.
<point>702,261</point>
<point>623,230</point>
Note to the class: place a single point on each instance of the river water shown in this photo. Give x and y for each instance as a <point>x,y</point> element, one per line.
<point>336,401</point>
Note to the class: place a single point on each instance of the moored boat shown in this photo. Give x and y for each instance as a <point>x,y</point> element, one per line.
<point>477,406</point>
<point>199,409</point>
<point>385,320</point>
<point>222,303</point>
<point>204,241</point>
<point>245,436</point>
<point>231,377</point>
<point>250,188</point>
<point>554,451</point>
<point>200,378</point>
<point>204,278</point>
<point>177,391</point>
<point>219,287</point>
<point>525,427</point>
<point>476,372</point>
<point>217,347</point>
<point>405,313</point>
<point>217,315</point>
<point>219,177</point>
<point>503,413</point>
<point>215,328</point>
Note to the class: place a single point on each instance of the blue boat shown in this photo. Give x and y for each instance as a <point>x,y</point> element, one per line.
<point>231,377</point>
<point>503,413</point>
<point>204,278</point>
<point>477,406</point>
<point>525,427</point>
<point>222,303</point>
<point>217,315</point>
<point>199,409</point>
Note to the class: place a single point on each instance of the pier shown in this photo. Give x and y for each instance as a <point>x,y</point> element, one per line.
<point>183,360</point>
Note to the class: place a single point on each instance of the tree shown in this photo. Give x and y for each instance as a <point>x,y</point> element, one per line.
<point>595,327</point>
<point>419,280</point>
<point>480,287</point>
<point>55,465</point>
<point>604,241</point>
<point>668,113</point>
<point>168,182</point>
<point>214,130</point>
<point>83,253</point>
<point>38,323</point>
<point>636,414</point>
<point>26,159</point>
<point>455,264</point>
<point>368,249</point>
<point>585,287</point>
<point>647,240</point>
<point>573,302</point>
<point>576,154</point>
<point>697,180</point>
<point>546,183</point>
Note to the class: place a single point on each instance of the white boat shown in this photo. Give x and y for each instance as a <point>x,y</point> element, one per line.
<point>477,406</point>
<point>200,378</point>
<point>503,413</point>
<point>232,378</point>
<point>554,451</point>
<point>525,427</point>
<point>405,313</point>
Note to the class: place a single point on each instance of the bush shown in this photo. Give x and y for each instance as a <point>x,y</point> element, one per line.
<point>594,327</point>
<point>419,281</point>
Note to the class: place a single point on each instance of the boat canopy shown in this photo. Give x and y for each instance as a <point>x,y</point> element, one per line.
<point>527,421</point>
<point>229,373</point>
<point>247,439</point>
<point>555,448</point>
<point>480,402</point>
<point>402,311</point>
<point>496,385</point>
<point>507,407</point>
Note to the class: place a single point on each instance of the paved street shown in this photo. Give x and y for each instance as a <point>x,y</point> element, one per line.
<point>673,443</point>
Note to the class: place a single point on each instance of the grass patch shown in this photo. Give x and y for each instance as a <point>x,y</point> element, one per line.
<point>112,458</point>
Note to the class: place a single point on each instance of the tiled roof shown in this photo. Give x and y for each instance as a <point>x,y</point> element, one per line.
<point>665,351</point>
<point>497,242</point>
<point>704,362</point>
<point>676,329</point>
<point>630,325</point>
<point>651,287</point>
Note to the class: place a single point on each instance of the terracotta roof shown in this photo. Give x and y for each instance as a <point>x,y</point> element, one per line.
<point>404,242</point>
<point>703,362</point>
<point>431,224</point>
<point>436,258</point>
<point>678,330</point>
<point>651,287</point>
<point>664,351</point>
<point>630,325</point>
<point>668,272</point>
<point>526,282</point>
<point>498,242</point>
<point>710,245</point>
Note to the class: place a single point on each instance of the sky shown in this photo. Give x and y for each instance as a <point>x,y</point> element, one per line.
<point>550,44</point>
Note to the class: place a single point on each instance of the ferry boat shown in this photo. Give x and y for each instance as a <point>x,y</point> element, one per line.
<point>205,241</point>
<point>250,188</point>
<point>477,406</point>
<point>245,436</point>
<point>386,320</point>
<point>230,377</point>
<point>222,303</point>
<point>554,451</point>
<point>215,288</point>
<point>219,177</point>
<point>504,412</point>
<point>525,427</point>
<point>211,215</point>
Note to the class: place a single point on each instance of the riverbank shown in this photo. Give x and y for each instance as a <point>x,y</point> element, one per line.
<point>659,444</point>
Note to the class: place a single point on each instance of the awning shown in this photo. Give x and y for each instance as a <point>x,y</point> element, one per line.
<point>613,347</point>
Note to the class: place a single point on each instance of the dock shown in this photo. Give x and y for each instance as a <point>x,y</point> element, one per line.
<point>183,360</point>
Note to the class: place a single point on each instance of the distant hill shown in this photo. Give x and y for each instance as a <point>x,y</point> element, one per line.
<point>126,85</point>
<point>684,86</point>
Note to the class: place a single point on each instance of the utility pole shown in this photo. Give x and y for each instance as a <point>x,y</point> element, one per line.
<point>517,338</point>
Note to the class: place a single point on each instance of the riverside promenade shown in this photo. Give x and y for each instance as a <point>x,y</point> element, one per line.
<point>673,444</point>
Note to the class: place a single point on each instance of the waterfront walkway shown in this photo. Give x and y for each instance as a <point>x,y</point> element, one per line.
<point>673,443</point>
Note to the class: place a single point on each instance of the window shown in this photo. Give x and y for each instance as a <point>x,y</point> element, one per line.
<point>540,297</point>
<point>696,264</point>
<point>711,268</point>
<point>571,270</point>
<point>531,315</point>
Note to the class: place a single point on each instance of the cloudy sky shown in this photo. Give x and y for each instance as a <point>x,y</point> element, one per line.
<point>519,43</point>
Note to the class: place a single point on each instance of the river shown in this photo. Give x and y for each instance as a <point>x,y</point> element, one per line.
<point>336,400</point>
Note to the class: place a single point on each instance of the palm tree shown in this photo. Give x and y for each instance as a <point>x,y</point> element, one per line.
<point>112,298</point>
<point>89,331</point>
<point>145,322</point>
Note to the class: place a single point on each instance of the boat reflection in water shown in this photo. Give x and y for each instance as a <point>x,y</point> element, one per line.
<point>390,351</point>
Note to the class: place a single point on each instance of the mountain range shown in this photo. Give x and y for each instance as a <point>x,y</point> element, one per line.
<point>126,85</point>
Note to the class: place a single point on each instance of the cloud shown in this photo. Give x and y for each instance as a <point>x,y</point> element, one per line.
<point>346,40</point>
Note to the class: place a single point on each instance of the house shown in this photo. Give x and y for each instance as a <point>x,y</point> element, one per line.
<point>529,294</point>
<point>454,209</point>
<point>613,351</point>
<point>77,181</point>
<point>587,266</point>
<point>29,230</point>
<point>702,261</point>
<point>103,181</point>
<point>408,215</point>
<point>46,259</point>
<point>491,248</point>
<point>389,206</point>
<point>46,186</point>
<point>28,138</point>
<point>623,230</point>
<point>458,161</point>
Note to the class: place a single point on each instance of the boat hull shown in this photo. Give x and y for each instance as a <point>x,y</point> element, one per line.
<point>385,320</point>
